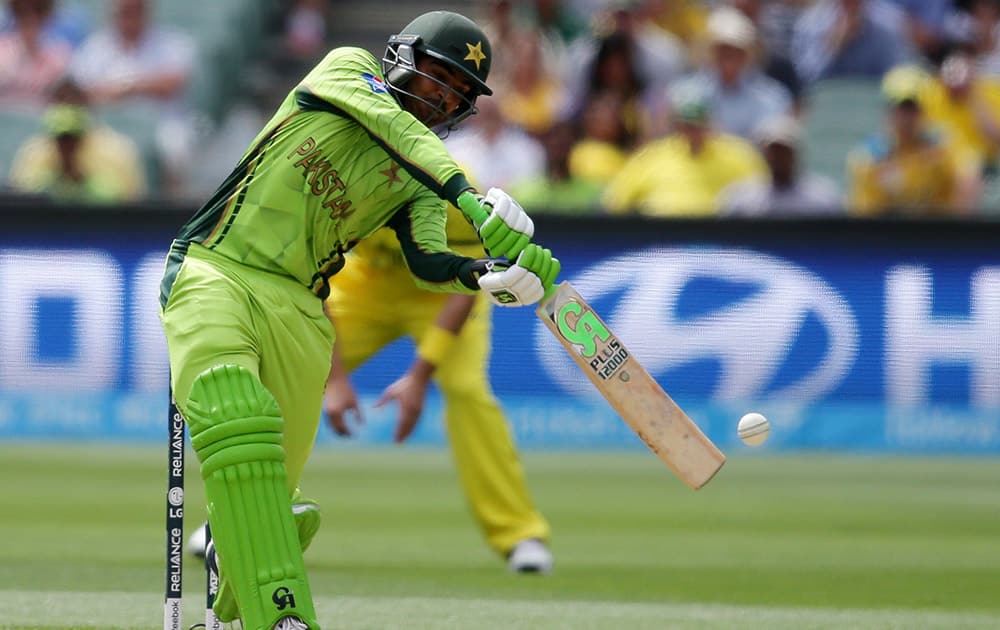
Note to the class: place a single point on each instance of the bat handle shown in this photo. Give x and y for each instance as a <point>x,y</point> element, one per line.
<point>551,289</point>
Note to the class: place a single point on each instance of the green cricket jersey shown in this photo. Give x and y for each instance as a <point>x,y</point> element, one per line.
<point>338,160</point>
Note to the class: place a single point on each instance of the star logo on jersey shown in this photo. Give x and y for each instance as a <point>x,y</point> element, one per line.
<point>375,83</point>
<point>392,173</point>
<point>476,53</point>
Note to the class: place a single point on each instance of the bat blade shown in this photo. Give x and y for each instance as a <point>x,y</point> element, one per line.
<point>629,388</point>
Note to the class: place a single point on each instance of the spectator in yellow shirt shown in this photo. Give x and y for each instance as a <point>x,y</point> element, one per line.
<point>76,159</point>
<point>966,107</point>
<point>601,152</point>
<point>684,173</point>
<point>910,170</point>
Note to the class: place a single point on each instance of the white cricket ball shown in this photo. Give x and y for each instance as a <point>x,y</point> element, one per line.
<point>753,429</point>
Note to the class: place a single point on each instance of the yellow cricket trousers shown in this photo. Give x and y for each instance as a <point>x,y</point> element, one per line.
<point>373,306</point>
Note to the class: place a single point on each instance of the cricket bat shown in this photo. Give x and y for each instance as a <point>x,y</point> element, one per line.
<point>628,387</point>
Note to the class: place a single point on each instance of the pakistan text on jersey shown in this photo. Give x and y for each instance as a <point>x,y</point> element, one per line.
<point>324,180</point>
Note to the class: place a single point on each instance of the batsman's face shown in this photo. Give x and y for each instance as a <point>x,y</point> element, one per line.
<point>442,88</point>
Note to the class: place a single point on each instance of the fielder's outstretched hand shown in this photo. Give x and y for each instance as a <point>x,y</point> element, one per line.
<point>339,402</point>
<point>504,228</point>
<point>525,282</point>
<point>409,392</point>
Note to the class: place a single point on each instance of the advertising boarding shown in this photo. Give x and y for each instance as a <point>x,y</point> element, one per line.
<point>848,336</point>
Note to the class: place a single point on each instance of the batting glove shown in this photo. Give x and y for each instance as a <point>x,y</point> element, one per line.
<point>503,226</point>
<point>525,282</point>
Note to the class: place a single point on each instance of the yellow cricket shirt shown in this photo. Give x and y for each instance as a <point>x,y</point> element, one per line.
<point>666,179</point>
<point>958,118</point>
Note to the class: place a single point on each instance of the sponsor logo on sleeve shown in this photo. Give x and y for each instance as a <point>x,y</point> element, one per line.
<point>376,84</point>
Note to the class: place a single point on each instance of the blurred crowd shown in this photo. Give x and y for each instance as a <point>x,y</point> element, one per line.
<point>52,60</point>
<point>685,108</point>
<point>654,107</point>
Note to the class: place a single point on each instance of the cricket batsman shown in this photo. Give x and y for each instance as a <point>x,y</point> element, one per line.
<point>351,149</point>
<point>452,335</point>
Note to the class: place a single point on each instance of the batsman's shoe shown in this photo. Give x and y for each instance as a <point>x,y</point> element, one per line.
<point>211,560</point>
<point>196,543</point>
<point>530,556</point>
<point>225,606</point>
<point>291,623</point>
<point>307,521</point>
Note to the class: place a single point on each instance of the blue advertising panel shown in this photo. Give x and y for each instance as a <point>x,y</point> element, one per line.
<point>848,336</point>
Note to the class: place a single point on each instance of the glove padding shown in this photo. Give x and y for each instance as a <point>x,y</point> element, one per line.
<point>525,282</point>
<point>508,228</point>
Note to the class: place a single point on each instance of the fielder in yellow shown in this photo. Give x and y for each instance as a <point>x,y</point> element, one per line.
<point>452,336</point>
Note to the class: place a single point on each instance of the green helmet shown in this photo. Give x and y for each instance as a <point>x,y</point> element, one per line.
<point>450,38</point>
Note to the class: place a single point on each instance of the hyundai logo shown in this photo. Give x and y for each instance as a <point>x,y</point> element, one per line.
<point>749,334</point>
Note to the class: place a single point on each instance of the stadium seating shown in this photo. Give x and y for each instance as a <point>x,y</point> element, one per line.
<point>135,122</point>
<point>368,24</point>
<point>16,126</point>
<point>226,33</point>
<point>839,114</point>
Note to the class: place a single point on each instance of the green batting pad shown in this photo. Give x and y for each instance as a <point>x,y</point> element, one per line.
<point>307,521</point>
<point>236,430</point>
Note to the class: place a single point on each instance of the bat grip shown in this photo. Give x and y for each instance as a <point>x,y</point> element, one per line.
<point>551,289</point>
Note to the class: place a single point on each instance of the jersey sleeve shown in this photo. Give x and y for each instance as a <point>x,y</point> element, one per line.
<point>434,266</point>
<point>382,249</point>
<point>462,237</point>
<point>348,82</point>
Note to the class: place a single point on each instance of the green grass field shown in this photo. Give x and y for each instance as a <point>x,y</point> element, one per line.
<point>772,542</point>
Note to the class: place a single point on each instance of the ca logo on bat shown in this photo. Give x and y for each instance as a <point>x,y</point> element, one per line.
<point>592,339</point>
